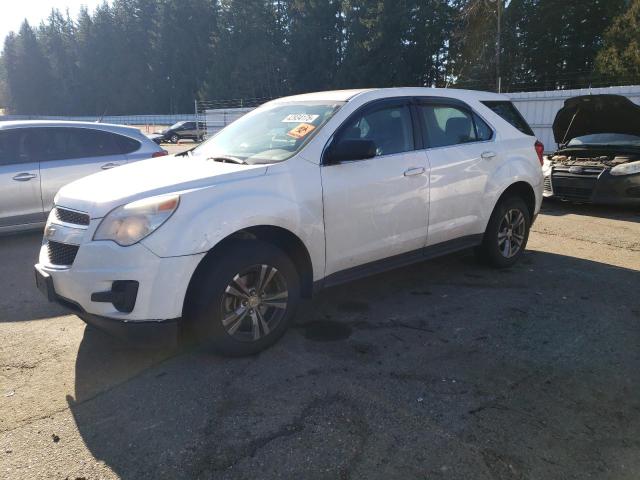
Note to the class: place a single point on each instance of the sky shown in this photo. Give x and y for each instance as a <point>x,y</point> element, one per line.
<point>14,12</point>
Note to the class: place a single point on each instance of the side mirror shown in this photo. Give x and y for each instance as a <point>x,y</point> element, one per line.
<point>346,150</point>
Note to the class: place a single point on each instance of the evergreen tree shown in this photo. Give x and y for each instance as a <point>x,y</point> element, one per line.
<point>157,56</point>
<point>249,57</point>
<point>619,59</point>
<point>58,40</point>
<point>314,42</point>
<point>183,52</point>
<point>29,78</point>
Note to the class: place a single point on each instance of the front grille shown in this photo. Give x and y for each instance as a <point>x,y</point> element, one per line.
<point>71,216</point>
<point>573,193</point>
<point>547,184</point>
<point>573,186</point>
<point>61,254</point>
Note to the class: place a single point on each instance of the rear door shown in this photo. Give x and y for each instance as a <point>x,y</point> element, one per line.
<point>463,154</point>
<point>72,153</point>
<point>189,129</point>
<point>20,200</point>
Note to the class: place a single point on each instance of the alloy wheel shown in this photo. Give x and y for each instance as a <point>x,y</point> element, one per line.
<point>511,233</point>
<point>254,303</point>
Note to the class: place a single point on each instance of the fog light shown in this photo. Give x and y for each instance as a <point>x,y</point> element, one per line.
<point>122,295</point>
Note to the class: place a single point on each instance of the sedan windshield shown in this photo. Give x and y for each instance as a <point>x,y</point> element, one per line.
<point>606,139</point>
<point>270,134</point>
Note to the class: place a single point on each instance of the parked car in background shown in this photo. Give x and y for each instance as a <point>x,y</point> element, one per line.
<point>302,193</point>
<point>598,159</point>
<point>38,157</point>
<point>179,131</point>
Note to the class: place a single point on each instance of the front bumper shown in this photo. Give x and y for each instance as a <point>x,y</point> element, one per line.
<point>99,265</point>
<point>599,188</point>
<point>150,333</point>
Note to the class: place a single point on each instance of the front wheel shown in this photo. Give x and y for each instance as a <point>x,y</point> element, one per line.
<point>245,299</point>
<point>507,233</point>
<point>174,138</point>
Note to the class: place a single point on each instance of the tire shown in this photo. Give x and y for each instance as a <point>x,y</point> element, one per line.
<point>228,315</point>
<point>174,138</point>
<point>503,246</point>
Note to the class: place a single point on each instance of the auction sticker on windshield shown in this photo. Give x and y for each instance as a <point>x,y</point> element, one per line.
<point>301,130</point>
<point>300,118</point>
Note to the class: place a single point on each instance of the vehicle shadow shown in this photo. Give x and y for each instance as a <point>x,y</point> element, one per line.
<point>20,299</point>
<point>555,207</point>
<point>529,372</point>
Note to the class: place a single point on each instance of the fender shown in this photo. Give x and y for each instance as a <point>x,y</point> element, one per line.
<point>275,199</point>
<point>519,166</point>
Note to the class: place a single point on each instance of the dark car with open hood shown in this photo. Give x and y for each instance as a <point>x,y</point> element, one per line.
<point>598,156</point>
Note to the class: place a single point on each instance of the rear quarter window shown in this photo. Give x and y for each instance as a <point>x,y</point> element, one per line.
<point>128,145</point>
<point>508,112</point>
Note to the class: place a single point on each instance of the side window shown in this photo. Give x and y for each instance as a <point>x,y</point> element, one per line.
<point>34,144</point>
<point>510,113</point>
<point>56,144</point>
<point>447,125</point>
<point>95,143</point>
<point>128,145</point>
<point>390,128</point>
<point>13,147</point>
<point>483,130</point>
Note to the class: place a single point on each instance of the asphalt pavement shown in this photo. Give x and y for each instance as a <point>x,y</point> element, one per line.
<point>446,369</point>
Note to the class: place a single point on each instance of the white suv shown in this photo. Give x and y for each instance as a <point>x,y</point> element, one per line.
<point>302,193</point>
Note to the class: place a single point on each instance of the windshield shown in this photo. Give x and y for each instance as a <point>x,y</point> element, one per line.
<point>270,134</point>
<point>606,139</point>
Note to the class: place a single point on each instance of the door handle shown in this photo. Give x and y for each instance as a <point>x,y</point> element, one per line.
<point>107,166</point>
<point>488,155</point>
<point>414,171</point>
<point>24,177</point>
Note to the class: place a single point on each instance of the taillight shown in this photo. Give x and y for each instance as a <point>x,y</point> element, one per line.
<point>540,151</point>
<point>161,153</point>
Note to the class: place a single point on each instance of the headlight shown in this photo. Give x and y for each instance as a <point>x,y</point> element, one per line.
<point>130,223</point>
<point>626,168</point>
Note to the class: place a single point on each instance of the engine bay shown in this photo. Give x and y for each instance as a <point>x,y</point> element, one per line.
<point>580,159</point>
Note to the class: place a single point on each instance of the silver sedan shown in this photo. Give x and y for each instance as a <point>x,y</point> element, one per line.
<point>39,157</point>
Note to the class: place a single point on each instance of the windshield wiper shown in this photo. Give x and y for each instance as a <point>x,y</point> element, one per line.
<point>185,153</point>
<point>228,160</point>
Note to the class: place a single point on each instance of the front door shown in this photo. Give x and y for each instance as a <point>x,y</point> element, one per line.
<point>378,207</point>
<point>20,201</point>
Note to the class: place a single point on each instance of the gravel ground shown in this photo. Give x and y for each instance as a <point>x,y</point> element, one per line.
<point>445,369</point>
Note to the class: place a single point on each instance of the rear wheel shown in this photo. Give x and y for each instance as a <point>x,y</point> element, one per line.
<point>246,299</point>
<point>507,233</point>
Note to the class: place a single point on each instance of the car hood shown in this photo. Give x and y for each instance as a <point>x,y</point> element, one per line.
<point>589,114</point>
<point>100,193</point>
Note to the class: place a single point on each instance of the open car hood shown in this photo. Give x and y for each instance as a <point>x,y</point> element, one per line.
<point>589,114</point>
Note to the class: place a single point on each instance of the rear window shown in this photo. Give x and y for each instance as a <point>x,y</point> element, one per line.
<point>510,113</point>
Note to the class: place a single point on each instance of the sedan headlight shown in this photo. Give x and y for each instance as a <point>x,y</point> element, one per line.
<point>626,168</point>
<point>130,223</point>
